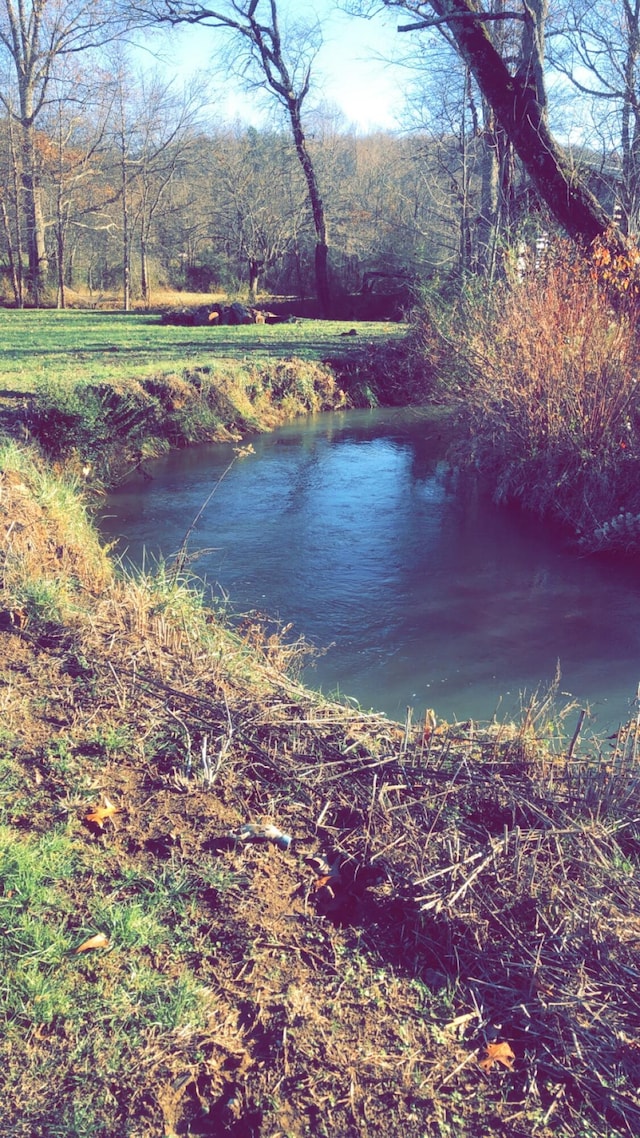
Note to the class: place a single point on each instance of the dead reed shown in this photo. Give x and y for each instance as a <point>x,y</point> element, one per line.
<point>474,858</point>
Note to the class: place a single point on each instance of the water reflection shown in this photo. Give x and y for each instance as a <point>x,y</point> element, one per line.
<point>349,527</point>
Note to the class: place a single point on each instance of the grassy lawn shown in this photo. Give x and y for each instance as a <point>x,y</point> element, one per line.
<point>71,347</point>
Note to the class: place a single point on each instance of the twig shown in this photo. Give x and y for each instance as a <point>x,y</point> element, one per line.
<point>472,876</point>
<point>452,1074</point>
<point>576,734</point>
<point>181,556</point>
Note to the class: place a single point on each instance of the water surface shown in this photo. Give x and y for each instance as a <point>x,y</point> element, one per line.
<point>350,527</point>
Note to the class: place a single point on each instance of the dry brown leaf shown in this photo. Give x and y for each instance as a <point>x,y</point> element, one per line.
<point>498,1053</point>
<point>99,814</point>
<point>100,940</point>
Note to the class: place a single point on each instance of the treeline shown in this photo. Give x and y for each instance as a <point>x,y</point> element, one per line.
<point>137,198</point>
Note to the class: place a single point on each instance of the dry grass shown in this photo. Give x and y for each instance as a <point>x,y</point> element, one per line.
<point>47,533</point>
<point>160,298</point>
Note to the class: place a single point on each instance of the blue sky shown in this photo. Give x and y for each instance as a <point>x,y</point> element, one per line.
<point>351,72</point>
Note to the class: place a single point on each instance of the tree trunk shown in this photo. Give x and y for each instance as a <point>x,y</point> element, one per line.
<point>69,275</point>
<point>323,290</point>
<point>16,283</point>
<point>126,229</point>
<point>17,272</point>
<point>465,247</point>
<point>516,102</point>
<point>254,277</point>
<point>145,286</point>
<point>490,187</point>
<point>34,223</point>
<point>60,295</point>
<point>630,127</point>
<point>126,275</point>
<point>60,234</point>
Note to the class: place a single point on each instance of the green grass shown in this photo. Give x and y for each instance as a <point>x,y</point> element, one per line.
<point>81,1017</point>
<point>71,347</point>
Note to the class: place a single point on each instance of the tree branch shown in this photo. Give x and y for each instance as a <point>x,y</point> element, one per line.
<point>482,17</point>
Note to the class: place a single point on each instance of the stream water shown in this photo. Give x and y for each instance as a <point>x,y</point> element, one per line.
<point>350,527</point>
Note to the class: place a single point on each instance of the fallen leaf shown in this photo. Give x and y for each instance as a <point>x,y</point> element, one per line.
<point>100,940</point>
<point>498,1053</point>
<point>328,881</point>
<point>99,814</point>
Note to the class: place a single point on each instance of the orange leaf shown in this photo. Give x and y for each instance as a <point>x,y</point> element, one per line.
<point>327,879</point>
<point>498,1053</point>
<point>100,940</point>
<point>99,814</point>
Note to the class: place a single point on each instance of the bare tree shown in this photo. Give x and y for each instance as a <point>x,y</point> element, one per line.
<point>165,126</point>
<point>261,225</point>
<point>153,129</point>
<point>35,35</point>
<point>10,211</point>
<point>281,65</point>
<point>76,125</point>
<point>600,54</point>
<point>473,150</point>
<point>515,89</point>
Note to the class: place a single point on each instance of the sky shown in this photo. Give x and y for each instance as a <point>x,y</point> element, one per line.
<point>352,69</point>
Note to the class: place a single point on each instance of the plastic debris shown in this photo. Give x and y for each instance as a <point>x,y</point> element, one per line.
<point>267,832</point>
<point>333,891</point>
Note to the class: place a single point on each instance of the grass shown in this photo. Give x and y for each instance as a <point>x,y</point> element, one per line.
<point>71,347</point>
<point>104,392</point>
<point>444,889</point>
<point>56,894</point>
<point>46,577</point>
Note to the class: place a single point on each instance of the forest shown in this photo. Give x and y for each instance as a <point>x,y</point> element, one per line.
<point>119,180</point>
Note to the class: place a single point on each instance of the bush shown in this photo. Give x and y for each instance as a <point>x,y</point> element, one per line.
<point>416,370</point>
<point>550,412</point>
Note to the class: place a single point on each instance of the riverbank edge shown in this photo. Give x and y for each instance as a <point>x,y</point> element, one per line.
<point>106,431</point>
<point>144,735</point>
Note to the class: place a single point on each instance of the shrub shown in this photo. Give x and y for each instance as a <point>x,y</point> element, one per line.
<point>550,409</point>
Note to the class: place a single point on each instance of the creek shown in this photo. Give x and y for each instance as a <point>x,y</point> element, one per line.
<point>350,527</point>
